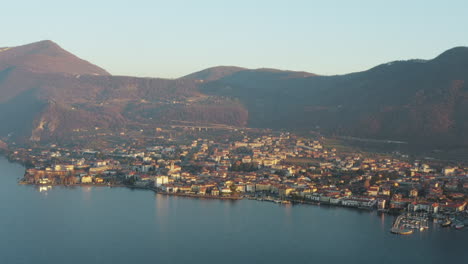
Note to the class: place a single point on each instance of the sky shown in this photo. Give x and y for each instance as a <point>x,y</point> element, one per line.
<point>173,38</point>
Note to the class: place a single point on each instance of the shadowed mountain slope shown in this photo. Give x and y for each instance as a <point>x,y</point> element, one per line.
<point>424,102</point>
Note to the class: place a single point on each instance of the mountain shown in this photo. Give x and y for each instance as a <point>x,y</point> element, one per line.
<point>424,102</point>
<point>45,57</point>
<point>213,74</point>
<point>47,93</point>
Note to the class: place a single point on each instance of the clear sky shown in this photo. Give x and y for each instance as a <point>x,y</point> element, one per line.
<point>172,38</point>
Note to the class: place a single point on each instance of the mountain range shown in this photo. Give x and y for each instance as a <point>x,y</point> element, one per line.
<point>46,93</point>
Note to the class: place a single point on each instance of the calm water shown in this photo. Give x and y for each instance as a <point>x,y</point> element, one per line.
<point>118,225</point>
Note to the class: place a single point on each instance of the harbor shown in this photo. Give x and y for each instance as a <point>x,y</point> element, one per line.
<point>406,223</point>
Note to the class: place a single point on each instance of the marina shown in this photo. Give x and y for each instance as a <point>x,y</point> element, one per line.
<point>406,223</point>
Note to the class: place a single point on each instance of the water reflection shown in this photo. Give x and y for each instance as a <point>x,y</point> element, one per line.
<point>382,220</point>
<point>86,191</point>
<point>44,189</point>
<point>161,203</point>
<point>288,218</point>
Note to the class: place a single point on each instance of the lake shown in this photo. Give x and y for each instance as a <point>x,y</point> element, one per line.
<point>120,225</point>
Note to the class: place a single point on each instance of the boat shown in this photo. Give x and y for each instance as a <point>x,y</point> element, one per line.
<point>401,231</point>
<point>286,202</point>
<point>459,226</point>
<point>446,223</point>
<point>406,232</point>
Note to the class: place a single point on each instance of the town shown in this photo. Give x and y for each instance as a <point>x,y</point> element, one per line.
<point>281,167</point>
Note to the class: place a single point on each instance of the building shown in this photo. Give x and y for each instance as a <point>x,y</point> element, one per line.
<point>160,180</point>
<point>358,202</point>
<point>373,190</point>
<point>87,179</point>
<point>423,206</point>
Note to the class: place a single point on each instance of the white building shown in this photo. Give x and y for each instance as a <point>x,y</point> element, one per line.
<point>160,180</point>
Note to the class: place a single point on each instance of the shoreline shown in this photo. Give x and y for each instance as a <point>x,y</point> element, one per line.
<point>72,185</point>
<point>209,197</point>
<point>196,196</point>
<point>233,198</point>
<point>250,196</point>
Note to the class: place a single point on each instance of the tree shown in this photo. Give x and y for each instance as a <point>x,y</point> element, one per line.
<point>243,150</point>
<point>246,167</point>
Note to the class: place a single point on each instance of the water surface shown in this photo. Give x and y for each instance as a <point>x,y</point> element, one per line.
<point>119,225</point>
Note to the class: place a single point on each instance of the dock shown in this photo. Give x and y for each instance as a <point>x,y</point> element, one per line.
<point>405,223</point>
<point>398,228</point>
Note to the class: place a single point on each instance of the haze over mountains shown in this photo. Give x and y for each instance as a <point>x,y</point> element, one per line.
<point>47,93</point>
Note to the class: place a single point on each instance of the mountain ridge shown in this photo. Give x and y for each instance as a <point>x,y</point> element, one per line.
<point>420,101</point>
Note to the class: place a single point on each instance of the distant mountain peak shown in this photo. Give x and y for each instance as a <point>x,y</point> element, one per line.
<point>47,44</point>
<point>213,73</point>
<point>219,72</point>
<point>44,47</point>
<point>46,56</point>
<point>44,43</point>
<point>457,53</point>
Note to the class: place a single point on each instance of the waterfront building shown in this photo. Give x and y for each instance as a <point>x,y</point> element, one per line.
<point>160,180</point>
<point>87,179</point>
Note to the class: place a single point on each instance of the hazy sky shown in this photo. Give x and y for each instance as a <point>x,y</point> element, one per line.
<point>172,38</point>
